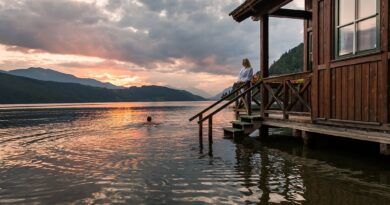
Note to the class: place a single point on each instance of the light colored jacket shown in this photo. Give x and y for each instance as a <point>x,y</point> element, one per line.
<point>245,74</point>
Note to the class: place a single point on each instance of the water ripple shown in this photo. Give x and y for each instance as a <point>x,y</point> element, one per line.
<point>105,153</point>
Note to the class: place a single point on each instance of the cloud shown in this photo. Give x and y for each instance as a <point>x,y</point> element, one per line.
<point>147,33</point>
<point>165,38</point>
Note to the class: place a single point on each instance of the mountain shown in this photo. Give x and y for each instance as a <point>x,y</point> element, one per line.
<point>289,62</point>
<point>219,95</point>
<point>199,92</point>
<point>55,76</point>
<point>15,89</point>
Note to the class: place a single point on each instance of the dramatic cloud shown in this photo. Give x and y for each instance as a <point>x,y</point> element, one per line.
<point>186,37</point>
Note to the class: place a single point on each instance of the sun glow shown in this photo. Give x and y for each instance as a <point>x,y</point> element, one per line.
<point>119,73</point>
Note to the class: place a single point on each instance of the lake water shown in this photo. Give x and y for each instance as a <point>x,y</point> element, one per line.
<point>104,153</point>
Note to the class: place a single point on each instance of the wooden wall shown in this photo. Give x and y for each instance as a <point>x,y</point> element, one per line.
<point>354,89</point>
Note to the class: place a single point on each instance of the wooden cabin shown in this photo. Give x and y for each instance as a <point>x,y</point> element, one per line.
<point>344,87</point>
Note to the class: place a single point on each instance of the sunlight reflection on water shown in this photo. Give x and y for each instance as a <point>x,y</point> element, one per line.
<point>105,153</point>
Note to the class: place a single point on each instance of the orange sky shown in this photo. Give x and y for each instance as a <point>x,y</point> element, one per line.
<point>113,71</point>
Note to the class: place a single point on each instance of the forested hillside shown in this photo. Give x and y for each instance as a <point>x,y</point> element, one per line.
<point>289,62</point>
<point>15,89</point>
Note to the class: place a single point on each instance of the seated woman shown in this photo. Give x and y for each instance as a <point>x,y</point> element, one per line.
<point>245,74</point>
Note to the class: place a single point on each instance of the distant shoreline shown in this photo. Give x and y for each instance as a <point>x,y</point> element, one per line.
<point>92,104</point>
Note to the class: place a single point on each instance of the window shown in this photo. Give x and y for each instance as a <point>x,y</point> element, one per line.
<point>356,27</point>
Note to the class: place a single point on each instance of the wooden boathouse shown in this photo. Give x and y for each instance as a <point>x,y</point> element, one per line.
<point>343,89</point>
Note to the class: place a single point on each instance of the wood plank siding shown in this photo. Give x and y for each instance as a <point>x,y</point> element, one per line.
<point>354,89</point>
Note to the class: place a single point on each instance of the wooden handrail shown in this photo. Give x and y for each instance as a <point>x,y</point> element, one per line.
<point>230,102</point>
<point>219,101</point>
<point>282,78</point>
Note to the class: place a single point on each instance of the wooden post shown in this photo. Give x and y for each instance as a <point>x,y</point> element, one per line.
<point>264,55</point>
<point>264,64</point>
<point>237,113</point>
<point>201,131</point>
<point>249,100</point>
<point>210,130</point>
<point>384,84</point>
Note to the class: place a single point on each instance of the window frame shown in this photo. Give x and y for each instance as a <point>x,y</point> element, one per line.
<point>355,22</point>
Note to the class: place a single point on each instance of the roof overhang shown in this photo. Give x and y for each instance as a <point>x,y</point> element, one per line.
<point>256,8</point>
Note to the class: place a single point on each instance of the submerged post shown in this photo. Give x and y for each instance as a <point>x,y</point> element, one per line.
<point>200,131</point>
<point>211,136</point>
<point>210,130</point>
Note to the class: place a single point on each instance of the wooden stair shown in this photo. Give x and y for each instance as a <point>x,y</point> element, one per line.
<point>243,127</point>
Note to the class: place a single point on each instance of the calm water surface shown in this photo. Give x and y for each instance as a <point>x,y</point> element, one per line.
<point>104,153</point>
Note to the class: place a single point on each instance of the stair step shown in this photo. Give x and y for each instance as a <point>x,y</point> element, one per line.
<point>230,132</point>
<point>241,122</point>
<point>250,118</point>
<point>241,125</point>
<point>233,130</point>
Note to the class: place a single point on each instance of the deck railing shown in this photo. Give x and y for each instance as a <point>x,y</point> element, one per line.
<point>285,94</point>
<point>247,96</point>
<point>288,94</point>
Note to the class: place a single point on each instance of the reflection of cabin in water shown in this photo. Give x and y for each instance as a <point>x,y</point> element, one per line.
<point>343,89</point>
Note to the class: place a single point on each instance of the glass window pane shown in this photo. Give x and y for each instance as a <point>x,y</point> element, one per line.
<point>366,8</point>
<point>345,36</point>
<point>346,11</point>
<point>367,34</point>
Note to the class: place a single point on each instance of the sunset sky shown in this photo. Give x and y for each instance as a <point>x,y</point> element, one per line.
<point>177,43</point>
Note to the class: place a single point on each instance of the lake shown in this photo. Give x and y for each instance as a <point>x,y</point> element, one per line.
<point>105,153</point>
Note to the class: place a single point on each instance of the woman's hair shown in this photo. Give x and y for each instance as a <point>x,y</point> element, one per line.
<point>246,63</point>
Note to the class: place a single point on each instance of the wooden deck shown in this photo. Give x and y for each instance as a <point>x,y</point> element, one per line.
<point>372,135</point>
<point>242,128</point>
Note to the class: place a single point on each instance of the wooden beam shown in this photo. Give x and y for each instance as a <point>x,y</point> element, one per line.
<point>264,59</point>
<point>297,94</point>
<point>257,9</point>
<point>292,13</point>
<point>269,89</point>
